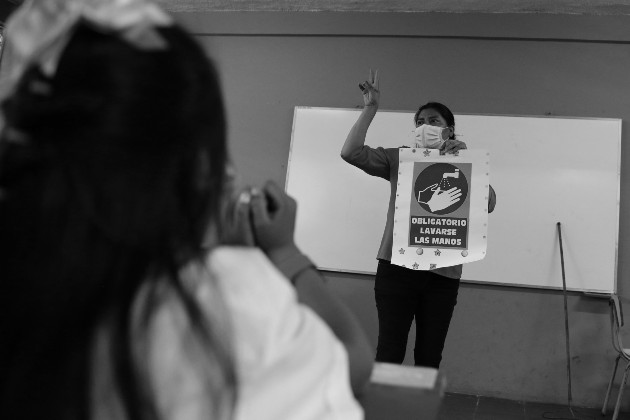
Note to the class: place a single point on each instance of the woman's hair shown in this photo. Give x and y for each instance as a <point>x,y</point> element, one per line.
<point>111,172</point>
<point>442,110</point>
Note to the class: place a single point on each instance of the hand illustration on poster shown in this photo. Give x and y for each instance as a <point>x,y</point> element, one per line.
<point>440,201</point>
<point>441,197</point>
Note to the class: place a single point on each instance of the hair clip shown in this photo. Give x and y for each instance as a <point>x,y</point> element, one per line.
<point>144,37</point>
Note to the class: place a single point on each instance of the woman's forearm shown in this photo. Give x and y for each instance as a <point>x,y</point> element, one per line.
<point>356,136</point>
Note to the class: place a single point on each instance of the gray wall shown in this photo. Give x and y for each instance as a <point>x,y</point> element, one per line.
<point>600,7</point>
<point>504,341</point>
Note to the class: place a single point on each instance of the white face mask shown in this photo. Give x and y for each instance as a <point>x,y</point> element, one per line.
<point>429,136</point>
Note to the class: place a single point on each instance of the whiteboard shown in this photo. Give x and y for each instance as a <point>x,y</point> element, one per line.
<point>545,170</point>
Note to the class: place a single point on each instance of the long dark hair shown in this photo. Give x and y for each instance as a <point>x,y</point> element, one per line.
<point>110,174</point>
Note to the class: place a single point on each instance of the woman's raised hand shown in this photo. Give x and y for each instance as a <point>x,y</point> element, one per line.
<point>370,89</point>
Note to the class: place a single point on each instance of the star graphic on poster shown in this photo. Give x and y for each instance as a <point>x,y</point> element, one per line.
<point>437,252</point>
<point>432,266</point>
<point>415,266</point>
<point>401,250</point>
<point>426,152</point>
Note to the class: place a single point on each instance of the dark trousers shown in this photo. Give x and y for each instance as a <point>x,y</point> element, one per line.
<point>402,294</point>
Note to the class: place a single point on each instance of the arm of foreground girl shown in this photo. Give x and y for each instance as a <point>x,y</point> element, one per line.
<point>273,214</point>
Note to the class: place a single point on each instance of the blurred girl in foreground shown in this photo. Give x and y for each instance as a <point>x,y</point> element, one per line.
<point>118,296</point>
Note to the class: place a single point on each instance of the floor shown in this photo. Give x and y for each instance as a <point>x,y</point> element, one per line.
<point>470,407</point>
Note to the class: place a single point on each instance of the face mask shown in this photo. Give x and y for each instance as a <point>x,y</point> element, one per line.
<point>429,136</point>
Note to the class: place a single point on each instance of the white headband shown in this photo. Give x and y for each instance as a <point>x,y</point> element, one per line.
<point>39,30</point>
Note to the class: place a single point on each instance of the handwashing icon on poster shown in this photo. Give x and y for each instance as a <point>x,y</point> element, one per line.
<point>441,212</point>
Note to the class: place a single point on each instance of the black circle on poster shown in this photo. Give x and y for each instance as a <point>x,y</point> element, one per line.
<point>441,188</point>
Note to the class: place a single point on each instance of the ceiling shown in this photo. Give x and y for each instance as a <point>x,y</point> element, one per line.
<point>587,7</point>
<point>584,7</point>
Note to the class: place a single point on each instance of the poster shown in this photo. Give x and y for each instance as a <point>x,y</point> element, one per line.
<point>441,210</point>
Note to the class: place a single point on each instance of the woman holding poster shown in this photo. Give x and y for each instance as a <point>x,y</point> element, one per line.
<point>403,294</point>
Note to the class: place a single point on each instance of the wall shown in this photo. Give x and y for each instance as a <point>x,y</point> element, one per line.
<point>504,341</point>
<point>600,7</point>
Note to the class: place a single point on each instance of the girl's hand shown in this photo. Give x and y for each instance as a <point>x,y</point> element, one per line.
<point>273,219</point>
<point>370,89</point>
